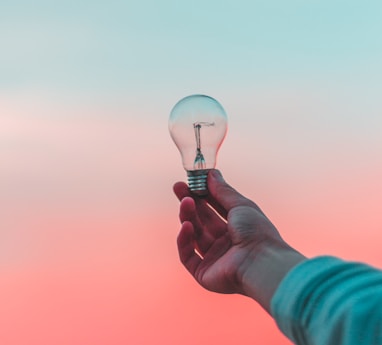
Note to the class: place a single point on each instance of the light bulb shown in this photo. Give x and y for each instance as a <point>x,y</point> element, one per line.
<point>198,125</point>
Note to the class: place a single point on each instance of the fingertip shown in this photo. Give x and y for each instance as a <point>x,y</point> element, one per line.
<point>178,186</point>
<point>186,234</point>
<point>216,174</point>
<point>181,190</point>
<point>187,209</point>
<point>187,200</point>
<point>215,178</point>
<point>215,182</point>
<point>186,248</point>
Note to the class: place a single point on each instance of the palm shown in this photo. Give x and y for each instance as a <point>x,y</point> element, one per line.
<point>222,241</point>
<point>219,273</point>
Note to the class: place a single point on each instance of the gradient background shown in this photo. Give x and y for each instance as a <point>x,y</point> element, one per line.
<point>88,221</point>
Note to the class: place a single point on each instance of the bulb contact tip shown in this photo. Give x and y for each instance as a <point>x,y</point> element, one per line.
<point>197,181</point>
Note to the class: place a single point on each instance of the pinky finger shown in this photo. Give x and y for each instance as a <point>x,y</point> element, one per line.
<point>186,247</point>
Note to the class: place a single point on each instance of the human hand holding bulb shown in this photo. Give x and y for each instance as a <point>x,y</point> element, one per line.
<point>226,242</point>
<point>198,125</point>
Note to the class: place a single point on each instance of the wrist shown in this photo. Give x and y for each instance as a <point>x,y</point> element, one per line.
<point>265,268</point>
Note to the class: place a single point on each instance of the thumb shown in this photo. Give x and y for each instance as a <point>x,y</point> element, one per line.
<point>222,193</point>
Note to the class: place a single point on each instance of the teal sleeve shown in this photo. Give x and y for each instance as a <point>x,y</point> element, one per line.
<point>327,301</point>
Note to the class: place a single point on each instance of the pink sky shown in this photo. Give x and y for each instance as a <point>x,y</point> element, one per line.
<point>89,222</point>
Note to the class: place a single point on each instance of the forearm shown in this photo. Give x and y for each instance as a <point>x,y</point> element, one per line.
<point>329,301</point>
<point>265,269</point>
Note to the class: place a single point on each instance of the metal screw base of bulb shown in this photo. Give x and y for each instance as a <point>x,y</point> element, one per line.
<point>197,181</point>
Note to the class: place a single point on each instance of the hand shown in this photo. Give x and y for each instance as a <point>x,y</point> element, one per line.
<point>221,249</point>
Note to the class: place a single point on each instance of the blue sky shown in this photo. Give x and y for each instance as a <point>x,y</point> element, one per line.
<point>138,47</point>
<point>314,66</point>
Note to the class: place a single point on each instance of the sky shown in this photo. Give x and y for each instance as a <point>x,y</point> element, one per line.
<point>88,221</point>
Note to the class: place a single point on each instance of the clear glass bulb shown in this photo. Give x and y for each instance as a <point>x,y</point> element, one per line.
<point>198,125</point>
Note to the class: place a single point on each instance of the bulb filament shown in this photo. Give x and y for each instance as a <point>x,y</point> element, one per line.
<point>200,162</point>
